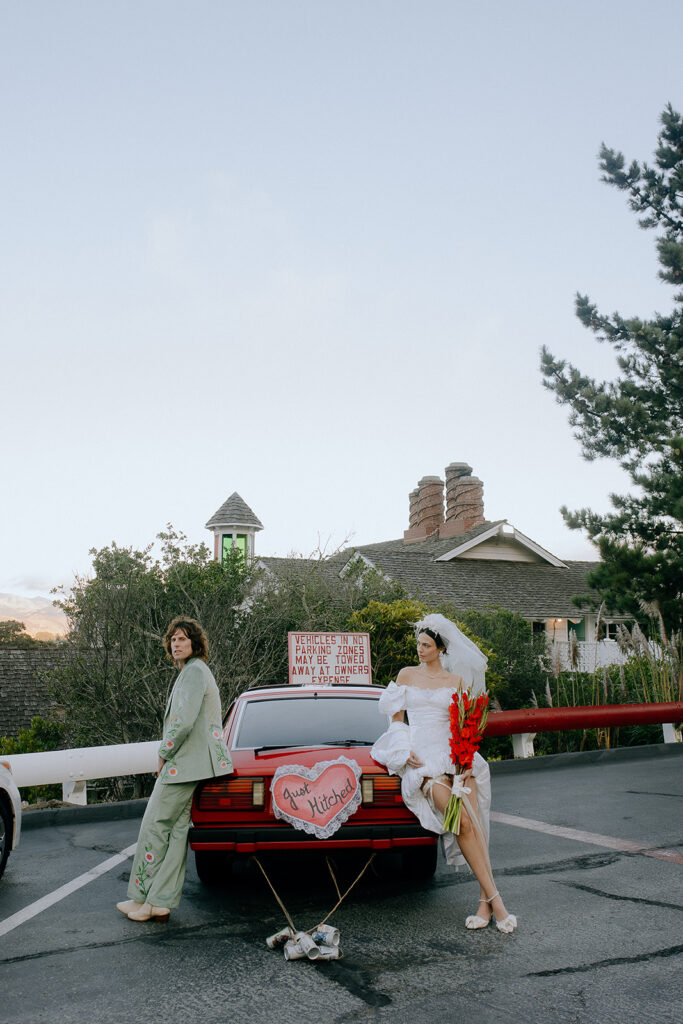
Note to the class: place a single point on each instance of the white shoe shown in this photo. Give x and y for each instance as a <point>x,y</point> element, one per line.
<point>507,925</point>
<point>127,905</point>
<point>474,921</point>
<point>146,912</point>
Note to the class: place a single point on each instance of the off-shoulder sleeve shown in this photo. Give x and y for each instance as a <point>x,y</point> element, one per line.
<point>392,700</point>
<point>392,749</point>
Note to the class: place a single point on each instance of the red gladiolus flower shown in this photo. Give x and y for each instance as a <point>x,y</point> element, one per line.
<point>468,720</point>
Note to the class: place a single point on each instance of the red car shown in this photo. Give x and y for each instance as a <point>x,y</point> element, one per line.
<point>302,725</point>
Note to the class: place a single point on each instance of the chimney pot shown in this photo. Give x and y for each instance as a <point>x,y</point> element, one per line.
<point>431,503</point>
<point>464,500</point>
<point>426,508</point>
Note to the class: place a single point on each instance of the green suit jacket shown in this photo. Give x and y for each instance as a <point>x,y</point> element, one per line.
<point>193,746</point>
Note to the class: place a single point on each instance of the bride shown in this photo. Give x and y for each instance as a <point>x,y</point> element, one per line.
<point>419,751</point>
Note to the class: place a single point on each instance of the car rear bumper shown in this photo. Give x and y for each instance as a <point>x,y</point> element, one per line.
<point>251,840</point>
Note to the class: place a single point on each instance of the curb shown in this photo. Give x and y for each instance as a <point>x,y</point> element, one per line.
<point>586,757</point>
<point>82,815</point>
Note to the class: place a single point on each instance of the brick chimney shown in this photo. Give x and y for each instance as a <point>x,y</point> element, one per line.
<point>426,509</point>
<point>464,500</point>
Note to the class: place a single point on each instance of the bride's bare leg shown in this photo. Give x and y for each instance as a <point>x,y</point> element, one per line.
<point>471,849</point>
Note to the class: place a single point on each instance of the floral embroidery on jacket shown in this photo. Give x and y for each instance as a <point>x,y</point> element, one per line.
<point>221,755</point>
<point>170,769</point>
<point>168,742</point>
<point>220,751</point>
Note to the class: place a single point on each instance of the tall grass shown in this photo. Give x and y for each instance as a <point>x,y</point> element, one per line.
<point>652,673</point>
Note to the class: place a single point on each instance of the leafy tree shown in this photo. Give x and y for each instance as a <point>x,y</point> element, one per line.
<point>13,634</point>
<point>301,594</point>
<point>113,680</point>
<point>637,418</point>
<point>392,640</point>
<point>518,658</point>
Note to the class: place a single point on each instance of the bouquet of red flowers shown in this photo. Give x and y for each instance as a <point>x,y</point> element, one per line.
<point>468,721</point>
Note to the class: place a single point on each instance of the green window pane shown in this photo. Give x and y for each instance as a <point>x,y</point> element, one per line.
<point>578,628</point>
<point>233,542</point>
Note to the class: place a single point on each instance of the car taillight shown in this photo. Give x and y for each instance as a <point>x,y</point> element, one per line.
<point>238,794</point>
<point>380,790</point>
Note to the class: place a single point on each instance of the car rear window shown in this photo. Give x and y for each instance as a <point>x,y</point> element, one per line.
<point>309,721</point>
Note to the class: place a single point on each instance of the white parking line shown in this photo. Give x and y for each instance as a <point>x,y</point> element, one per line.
<point>65,890</point>
<point>594,838</point>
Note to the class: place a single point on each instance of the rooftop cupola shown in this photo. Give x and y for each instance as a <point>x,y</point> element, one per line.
<point>234,527</point>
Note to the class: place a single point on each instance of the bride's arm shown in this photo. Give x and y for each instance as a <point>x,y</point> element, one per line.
<point>413,761</point>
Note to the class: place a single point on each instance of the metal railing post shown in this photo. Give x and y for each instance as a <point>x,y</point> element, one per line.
<point>523,744</point>
<point>672,733</point>
<point>75,792</point>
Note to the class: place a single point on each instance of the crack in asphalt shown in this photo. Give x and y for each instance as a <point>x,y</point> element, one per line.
<point>586,863</point>
<point>112,847</point>
<point>651,792</point>
<point>167,935</point>
<point>617,961</point>
<point>621,899</point>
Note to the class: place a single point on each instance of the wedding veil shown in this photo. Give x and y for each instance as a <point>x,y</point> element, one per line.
<point>463,658</point>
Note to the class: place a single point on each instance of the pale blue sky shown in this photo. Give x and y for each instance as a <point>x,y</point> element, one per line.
<point>307,251</point>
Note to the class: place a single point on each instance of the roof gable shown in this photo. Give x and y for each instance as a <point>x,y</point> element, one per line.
<point>501,542</point>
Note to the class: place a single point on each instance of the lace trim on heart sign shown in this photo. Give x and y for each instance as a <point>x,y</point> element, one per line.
<point>317,800</point>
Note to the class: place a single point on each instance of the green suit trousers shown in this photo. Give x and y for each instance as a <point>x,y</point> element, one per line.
<point>161,854</point>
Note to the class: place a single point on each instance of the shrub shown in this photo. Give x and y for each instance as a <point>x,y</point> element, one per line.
<point>43,734</point>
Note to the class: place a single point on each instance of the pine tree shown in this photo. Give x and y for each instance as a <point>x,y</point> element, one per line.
<point>637,418</point>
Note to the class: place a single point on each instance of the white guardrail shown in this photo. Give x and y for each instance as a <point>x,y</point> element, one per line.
<point>74,768</point>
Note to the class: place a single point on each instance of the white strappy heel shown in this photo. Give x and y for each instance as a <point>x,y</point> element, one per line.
<point>473,922</point>
<point>507,925</point>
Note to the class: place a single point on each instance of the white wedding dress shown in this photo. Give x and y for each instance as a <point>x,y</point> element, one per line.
<point>427,734</point>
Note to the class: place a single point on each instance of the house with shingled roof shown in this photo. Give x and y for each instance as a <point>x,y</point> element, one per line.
<point>451,552</point>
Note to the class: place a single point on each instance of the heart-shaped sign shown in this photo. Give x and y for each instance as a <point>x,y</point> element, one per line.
<point>317,800</point>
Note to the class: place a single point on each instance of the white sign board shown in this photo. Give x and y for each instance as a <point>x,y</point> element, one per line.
<point>326,658</point>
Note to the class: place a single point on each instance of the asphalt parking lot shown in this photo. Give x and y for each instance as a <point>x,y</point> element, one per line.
<point>587,852</point>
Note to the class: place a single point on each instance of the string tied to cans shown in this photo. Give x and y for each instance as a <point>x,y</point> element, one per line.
<point>320,943</point>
